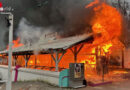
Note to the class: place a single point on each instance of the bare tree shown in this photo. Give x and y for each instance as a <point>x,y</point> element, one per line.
<point>124,8</point>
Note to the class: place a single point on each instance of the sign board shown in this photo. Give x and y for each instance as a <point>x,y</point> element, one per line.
<point>77,70</point>
<point>1,7</point>
<point>5,9</point>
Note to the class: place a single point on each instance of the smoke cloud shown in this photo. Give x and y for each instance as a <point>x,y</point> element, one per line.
<point>30,34</point>
<point>33,18</point>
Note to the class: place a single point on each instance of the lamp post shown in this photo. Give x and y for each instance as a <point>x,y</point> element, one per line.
<point>9,81</point>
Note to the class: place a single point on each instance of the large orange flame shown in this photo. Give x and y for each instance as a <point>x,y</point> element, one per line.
<point>16,43</point>
<point>107,21</point>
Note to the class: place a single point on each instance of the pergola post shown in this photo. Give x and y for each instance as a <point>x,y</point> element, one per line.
<point>26,57</point>
<point>123,59</point>
<point>76,51</point>
<point>35,61</point>
<point>15,59</point>
<point>97,60</point>
<point>57,59</point>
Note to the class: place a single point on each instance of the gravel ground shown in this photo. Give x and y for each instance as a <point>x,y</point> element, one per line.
<point>38,85</point>
<point>124,85</point>
<point>33,85</point>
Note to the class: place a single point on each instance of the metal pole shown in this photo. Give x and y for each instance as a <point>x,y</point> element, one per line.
<point>9,83</point>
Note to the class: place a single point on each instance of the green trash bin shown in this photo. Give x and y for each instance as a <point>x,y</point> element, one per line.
<point>64,78</point>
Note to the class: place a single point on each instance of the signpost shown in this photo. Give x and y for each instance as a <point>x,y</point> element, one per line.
<point>9,81</point>
<point>10,21</point>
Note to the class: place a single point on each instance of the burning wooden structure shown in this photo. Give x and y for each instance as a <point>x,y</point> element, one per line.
<point>56,54</point>
<point>55,48</point>
<point>106,50</point>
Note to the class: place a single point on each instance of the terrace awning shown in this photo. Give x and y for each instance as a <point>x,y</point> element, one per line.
<point>45,46</point>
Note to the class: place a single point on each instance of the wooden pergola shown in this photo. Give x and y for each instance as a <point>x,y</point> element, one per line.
<point>56,48</point>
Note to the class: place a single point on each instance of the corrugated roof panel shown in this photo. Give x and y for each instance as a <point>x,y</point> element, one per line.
<point>62,43</point>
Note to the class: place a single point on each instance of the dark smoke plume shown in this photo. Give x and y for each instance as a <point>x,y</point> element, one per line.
<point>67,17</point>
<point>33,18</point>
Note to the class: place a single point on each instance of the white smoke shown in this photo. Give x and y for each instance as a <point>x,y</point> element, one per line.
<point>30,34</point>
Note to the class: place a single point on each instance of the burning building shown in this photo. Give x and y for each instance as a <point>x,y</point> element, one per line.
<point>95,41</point>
